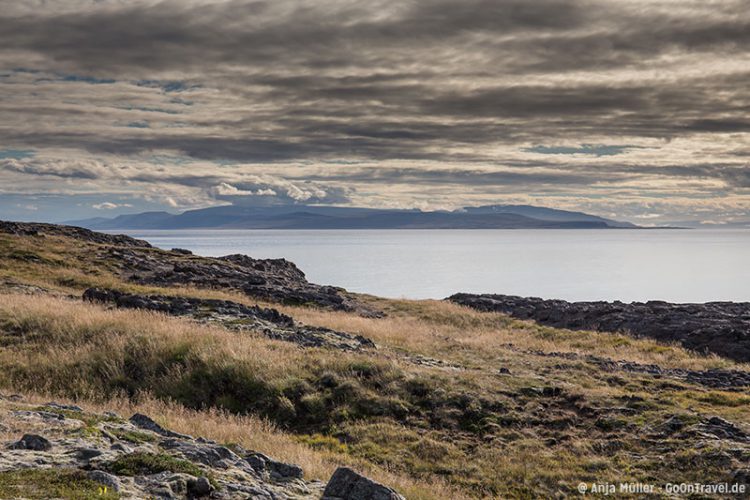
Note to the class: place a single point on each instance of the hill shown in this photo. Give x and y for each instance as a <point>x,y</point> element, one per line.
<point>430,398</point>
<point>330,217</point>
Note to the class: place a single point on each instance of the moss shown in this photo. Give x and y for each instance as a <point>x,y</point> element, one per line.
<point>89,419</point>
<point>141,464</point>
<point>135,437</point>
<point>52,483</point>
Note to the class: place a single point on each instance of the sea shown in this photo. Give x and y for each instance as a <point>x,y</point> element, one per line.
<point>674,265</point>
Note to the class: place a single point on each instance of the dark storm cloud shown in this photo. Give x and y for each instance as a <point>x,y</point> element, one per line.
<point>517,93</point>
<point>287,54</point>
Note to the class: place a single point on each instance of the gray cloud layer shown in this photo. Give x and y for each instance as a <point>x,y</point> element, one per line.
<point>382,102</point>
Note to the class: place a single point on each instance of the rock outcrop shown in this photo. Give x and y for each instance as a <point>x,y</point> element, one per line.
<point>275,280</point>
<point>235,316</point>
<point>345,484</point>
<point>138,458</point>
<point>79,233</point>
<point>721,328</point>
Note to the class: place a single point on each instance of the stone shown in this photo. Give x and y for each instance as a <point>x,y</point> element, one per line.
<point>199,488</point>
<point>32,442</point>
<point>205,453</point>
<point>345,484</point>
<point>87,453</point>
<point>121,447</point>
<point>280,470</point>
<point>672,424</point>
<point>145,422</point>
<point>105,479</point>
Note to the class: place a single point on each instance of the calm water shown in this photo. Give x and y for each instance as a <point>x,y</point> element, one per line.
<point>673,265</point>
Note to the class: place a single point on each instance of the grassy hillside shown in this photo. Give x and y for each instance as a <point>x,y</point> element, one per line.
<point>452,403</point>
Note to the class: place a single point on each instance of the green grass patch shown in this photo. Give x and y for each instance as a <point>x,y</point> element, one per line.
<point>142,464</point>
<point>135,437</point>
<point>52,483</point>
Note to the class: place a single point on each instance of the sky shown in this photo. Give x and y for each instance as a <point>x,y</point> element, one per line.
<point>636,110</point>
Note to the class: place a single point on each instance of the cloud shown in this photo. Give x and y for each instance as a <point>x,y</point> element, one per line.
<point>584,149</point>
<point>109,205</point>
<point>257,190</point>
<point>377,102</point>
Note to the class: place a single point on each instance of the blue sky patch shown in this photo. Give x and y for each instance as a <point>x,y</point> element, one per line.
<point>87,79</point>
<point>15,154</point>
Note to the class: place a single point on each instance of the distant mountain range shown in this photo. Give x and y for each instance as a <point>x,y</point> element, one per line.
<point>329,217</point>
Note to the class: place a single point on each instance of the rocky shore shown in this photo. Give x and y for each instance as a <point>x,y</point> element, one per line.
<point>721,328</point>
<point>62,447</point>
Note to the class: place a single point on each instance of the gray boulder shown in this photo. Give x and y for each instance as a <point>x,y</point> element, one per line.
<point>278,470</point>
<point>32,442</point>
<point>145,422</point>
<point>104,478</point>
<point>345,484</point>
<point>199,488</point>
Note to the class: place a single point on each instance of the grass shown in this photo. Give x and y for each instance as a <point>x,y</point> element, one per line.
<point>52,483</point>
<point>537,429</point>
<point>422,429</point>
<point>134,437</point>
<point>143,464</point>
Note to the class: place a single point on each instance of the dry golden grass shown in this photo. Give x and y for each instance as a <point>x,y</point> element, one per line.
<point>454,332</point>
<point>429,327</point>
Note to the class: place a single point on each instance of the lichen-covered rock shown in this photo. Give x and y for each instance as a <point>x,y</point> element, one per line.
<point>209,454</point>
<point>104,478</point>
<point>161,464</point>
<point>345,484</point>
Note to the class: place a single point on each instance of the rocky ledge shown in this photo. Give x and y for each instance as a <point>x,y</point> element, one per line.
<point>275,280</point>
<point>63,448</point>
<point>721,328</point>
<point>235,316</point>
<point>79,233</point>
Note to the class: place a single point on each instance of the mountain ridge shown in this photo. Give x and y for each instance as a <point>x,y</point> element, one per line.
<point>333,217</point>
